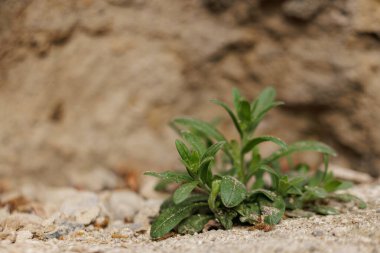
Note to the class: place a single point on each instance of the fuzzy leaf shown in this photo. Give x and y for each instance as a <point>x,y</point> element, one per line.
<point>202,127</point>
<point>213,149</point>
<point>325,210</point>
<point>193,224</point>
<point>264,100</point>
<point>314,193</point>
<point>183,151</point>
<point>225,217</point>
<point>345,185</point>
<point>237,97</point>
<point>193,163</point>
<point>252,143</point>
<point>193,198</point>
<point>259,180</point>
<point>262,193</point>
<point>294,202</point>
<point>275,176</point>
<point>283,185</point>
<point>195,141</point>
<point>302,168</point>
<point>326,158</point>
<point>184,191</point>
<point>170,176</point>
<point>346,197</point>
<point>171,217</point>
<point>300,147</point>
<point>215,189</point>
<point>272,211</point>
<point>270,170</point>
<point>261,115</point>
<point>295,190</point>
<point>248,212</point>
<point>161,185</point>
<point>232,115</point>
<point>207,160</point>
<point>205,173</point>
<point>244,111</point>
<point>332,185</point>
<point>232,191</point>
<point>296,181</point>
<point>256,158</point>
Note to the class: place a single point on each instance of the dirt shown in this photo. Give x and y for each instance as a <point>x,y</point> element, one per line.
<point>52,231</point>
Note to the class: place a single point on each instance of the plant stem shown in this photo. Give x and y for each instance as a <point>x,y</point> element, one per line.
<point>241,159</point>
<point>326,166</point>
<point>241,168</point>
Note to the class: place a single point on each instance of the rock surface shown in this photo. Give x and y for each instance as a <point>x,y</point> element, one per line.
<point>123,205</point>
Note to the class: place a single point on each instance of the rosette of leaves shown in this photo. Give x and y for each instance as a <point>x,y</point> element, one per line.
<point>230,187</point>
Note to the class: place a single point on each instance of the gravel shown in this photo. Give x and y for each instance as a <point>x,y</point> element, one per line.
<point>63,229</point>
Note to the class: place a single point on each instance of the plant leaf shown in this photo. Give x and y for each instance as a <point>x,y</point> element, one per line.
<point>193,224</point>
<point>193,198</point>
<point>244,111</point>
<point>248,212</point>
<point>184,191</point>
<point>272,211</point>
<point>283,185</point>
<point>225,217</point>
<point>295,190</point>
<point>207,160</point>
<point>232,191</point>
<point>237,97</point>
<point>299,147</point>
<point>183,151</point>
<point>275,176</point>
<point>213,149</point>
<point>171,217</point>
<point>201,126</point>
<point>332,185</point>
<point>294,202</point>
<point>325,210</point>
<point>261,115</point>
<point>259,180</point>
<point>215,189</point>
<point>314,193</point>
<point>232,115</point>
<point>346,197</point>
<point>193,163</point>
<point>205,173</point>
<point>170,176</point>
<point>253,142</point>
<point>264,100</point>
<point>161,185</point>
<point>195,141</point>
<point>262,192</point>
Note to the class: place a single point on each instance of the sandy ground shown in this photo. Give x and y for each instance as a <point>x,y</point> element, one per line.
<point>61,229</point>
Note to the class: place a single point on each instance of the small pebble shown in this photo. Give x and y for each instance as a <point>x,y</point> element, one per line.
<point>317,233</point>
<point>24,235</point>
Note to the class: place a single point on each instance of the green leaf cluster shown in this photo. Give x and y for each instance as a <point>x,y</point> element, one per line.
<point>225,179</point>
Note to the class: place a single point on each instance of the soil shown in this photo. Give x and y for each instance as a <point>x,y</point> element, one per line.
<point>65,224</point>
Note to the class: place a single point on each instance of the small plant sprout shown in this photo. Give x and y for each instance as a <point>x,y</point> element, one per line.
<point>225,179</point>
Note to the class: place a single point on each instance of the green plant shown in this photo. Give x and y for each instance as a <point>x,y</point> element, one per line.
<point>239,193</point>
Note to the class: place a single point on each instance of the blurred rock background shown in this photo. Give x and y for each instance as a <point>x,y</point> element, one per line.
<point>91,84</point>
